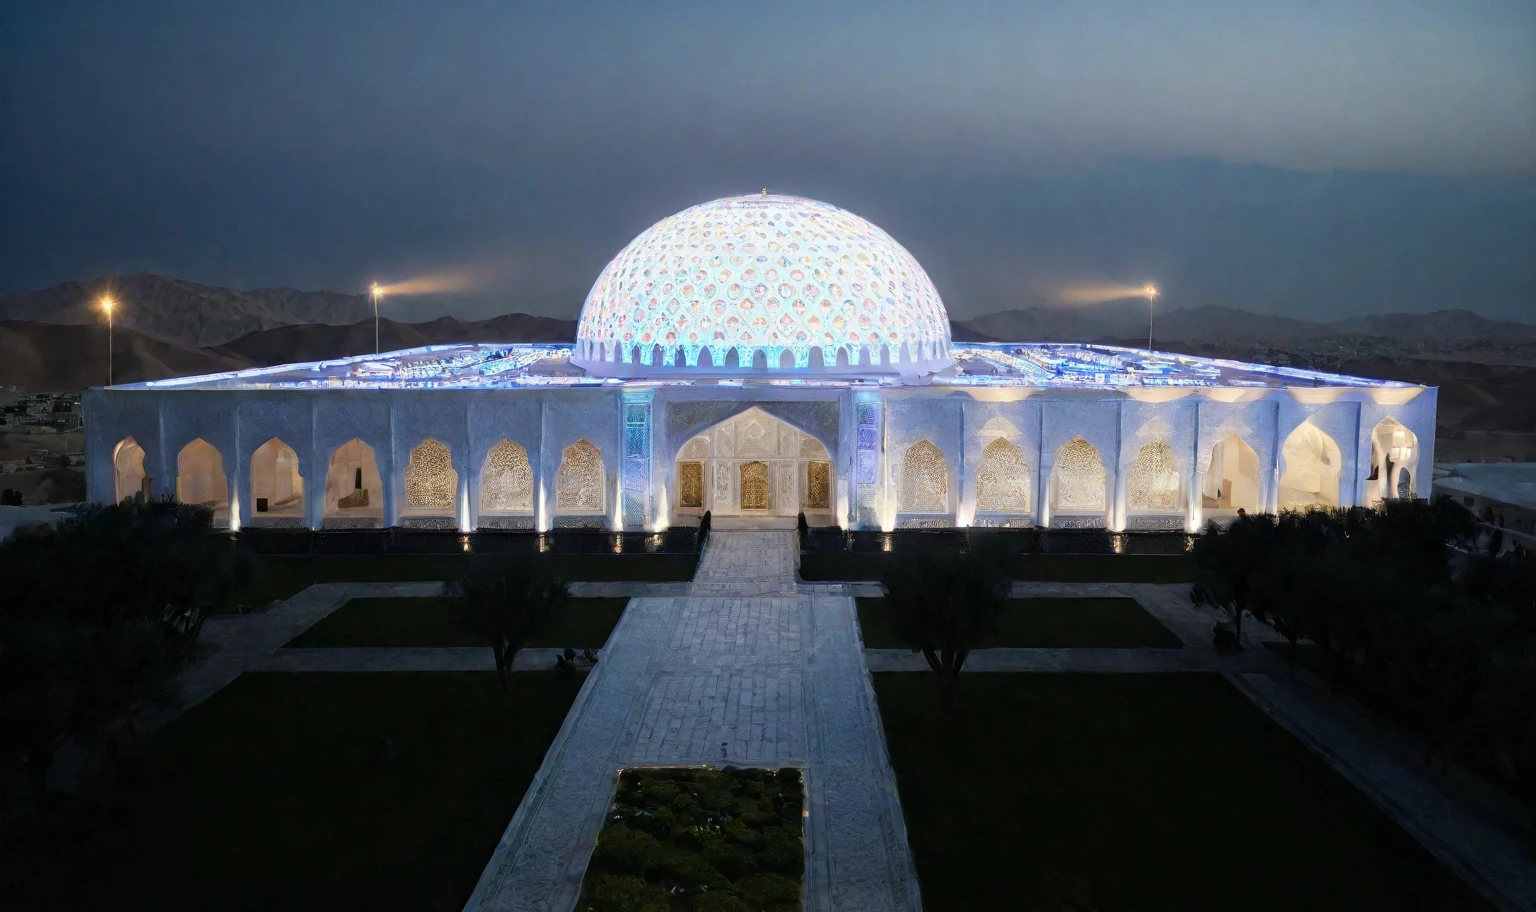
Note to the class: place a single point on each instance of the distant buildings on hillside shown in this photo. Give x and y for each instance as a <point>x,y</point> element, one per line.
<point>53,411</point>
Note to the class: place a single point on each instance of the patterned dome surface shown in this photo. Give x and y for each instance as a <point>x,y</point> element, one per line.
<point>775,282</point>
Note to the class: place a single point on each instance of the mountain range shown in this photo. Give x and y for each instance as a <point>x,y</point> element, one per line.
<point>55,339</point>
<point>184,312</point>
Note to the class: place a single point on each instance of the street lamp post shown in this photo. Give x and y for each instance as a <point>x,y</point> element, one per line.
<point>1151,292</point>
<point>107,304</point>
<point>376,292</point>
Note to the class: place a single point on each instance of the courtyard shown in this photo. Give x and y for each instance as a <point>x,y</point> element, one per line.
<point>1102,756</point>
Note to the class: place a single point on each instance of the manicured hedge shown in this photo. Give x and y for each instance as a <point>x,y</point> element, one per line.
<point>701,840</point>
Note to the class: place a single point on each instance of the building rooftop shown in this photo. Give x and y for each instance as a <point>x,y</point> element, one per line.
<point>509,366</point>
<point>1511,483</point>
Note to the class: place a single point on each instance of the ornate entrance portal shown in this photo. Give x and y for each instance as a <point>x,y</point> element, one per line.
<point>756,465</point>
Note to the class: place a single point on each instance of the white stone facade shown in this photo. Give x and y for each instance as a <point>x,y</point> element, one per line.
<point>897,456</point>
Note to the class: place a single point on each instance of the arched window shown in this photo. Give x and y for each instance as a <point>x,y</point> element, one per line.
<point>200,476</point>
<point>352,484</point>
<point>1078,478</point>
<point>506,480</point>
<point>818,485</point>
<point>690,484</point>
<point>1312,463</point>
<point>754,486</point>
<point>579,484</point>
<point>277,488</point>
<point>128,469</point>
<point>1153,484</point>
<point>924,479</point>
<point>430,481</point>
<point>1002,481</point>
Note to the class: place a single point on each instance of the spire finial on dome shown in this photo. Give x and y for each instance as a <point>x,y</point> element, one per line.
<point>765,191</point>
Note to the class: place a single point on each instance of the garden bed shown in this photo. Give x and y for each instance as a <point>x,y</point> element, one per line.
<point>1135,791</point>
<point>1042,623</point>
<point>406,622</point>
<point>278,792</point>
<point>843,566</point>
<point>281,577</point>
<point>701,840</point>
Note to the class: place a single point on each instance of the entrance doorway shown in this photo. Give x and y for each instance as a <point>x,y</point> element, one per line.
<point>755,468</point>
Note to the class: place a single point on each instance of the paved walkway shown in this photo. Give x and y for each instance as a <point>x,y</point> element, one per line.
<point>748,667</point>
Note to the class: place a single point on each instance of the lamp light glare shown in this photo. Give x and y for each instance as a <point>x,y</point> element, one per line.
<point>1149,290</point>
<point>107,304</point>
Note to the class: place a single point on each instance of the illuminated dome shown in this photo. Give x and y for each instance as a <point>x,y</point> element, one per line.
<point>763,283</point>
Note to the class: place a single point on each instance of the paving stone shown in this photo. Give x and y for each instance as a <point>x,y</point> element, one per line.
<point>747,667</point>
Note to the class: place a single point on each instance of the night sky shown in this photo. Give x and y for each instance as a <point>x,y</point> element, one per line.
<point>1319,159</point>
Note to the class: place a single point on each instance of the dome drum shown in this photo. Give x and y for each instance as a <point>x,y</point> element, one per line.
<point>763,283</point>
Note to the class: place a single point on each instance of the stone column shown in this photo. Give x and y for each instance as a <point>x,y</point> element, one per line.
<point>635,472</point>
<point>391,478</point>
<point>868,461</point>
<point>314,483</point>
<point>1195,517</point>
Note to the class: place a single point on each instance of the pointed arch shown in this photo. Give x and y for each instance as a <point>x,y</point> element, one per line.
<point>579,484</point>
<point>353,487</point>
<point>1078,479</point>
<point>1153,485</point>
<point>506,480</point>
<point>1312,462</point>
<point>431,484</point>
<point>1002,479</point>
<point>277,488</point>
<point>924,479</point>
<point>128,470</point>
<point>200,476</point>
<point>1394,454</point>
<point>1232,481</point>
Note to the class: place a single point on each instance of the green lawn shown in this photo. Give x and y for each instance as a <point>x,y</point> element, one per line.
<point>269,796</point>
<point>1145,792</point>
<point>831,566</point>
<point>1047,623</point>
<point>284,577</point>
<point>427,622</point>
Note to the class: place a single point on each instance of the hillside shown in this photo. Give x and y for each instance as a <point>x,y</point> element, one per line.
<point>51,357</point>
<point>183,312</point>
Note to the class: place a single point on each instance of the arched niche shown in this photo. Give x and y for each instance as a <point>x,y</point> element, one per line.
<point>128,475</point>
<point>1312,463</point>
<point>431,484</point>
<point>1153,484</point>
<point>1232,481</point>
<point>580,485</point>
<point>200,477</point>
<point>277,488</point>
<point>506,480</point>
<point>1078,481</point>
<point>354,492</point>
<point>1002,479</point>
<point>924,479</point>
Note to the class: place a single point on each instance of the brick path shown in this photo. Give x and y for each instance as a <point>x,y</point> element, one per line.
<point>747,668</point>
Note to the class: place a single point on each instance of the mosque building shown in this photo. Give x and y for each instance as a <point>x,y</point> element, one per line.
<point>760,357</point>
